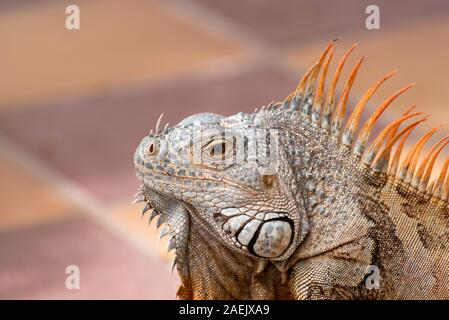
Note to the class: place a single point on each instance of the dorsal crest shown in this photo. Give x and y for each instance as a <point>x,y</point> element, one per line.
<point>320,108</point>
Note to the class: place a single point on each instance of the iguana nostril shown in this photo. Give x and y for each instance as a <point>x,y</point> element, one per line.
<point>152,149</point>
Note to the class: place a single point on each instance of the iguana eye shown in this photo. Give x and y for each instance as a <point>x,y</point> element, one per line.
<point>217,150</point>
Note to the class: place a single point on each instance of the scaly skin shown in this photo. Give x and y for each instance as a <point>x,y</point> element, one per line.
<point>285,203</point>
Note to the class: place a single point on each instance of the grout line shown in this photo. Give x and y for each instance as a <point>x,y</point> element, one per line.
<point>255,52</point>
<point>214,68</point>
<point>213,21</point>
<point>74,193</point>
<point>209,71</point>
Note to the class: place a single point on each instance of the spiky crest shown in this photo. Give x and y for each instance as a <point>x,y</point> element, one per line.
<point>309,98</point>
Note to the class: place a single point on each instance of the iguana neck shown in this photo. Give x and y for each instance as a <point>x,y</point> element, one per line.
<point>329,179</point>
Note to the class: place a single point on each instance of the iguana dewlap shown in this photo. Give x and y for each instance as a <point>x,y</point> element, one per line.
<point>291,202</point>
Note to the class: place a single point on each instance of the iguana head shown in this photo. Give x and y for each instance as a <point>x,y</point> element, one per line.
<point>225,172</point>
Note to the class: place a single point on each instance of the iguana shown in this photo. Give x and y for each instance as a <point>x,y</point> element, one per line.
<point>289,202</point>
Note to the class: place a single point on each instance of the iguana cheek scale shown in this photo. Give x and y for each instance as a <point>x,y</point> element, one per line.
<point>310,222</point>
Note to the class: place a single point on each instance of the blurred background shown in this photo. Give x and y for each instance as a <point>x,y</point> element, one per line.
<point>75,103</point>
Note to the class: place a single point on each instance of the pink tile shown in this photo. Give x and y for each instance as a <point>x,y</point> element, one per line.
<point>287,22</point>
<point>33,263</point>
<point>118,42</point>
